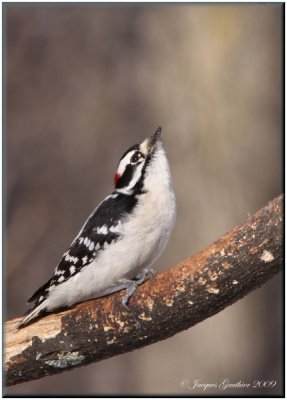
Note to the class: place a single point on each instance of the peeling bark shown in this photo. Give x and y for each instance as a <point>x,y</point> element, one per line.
<point>174,300</point>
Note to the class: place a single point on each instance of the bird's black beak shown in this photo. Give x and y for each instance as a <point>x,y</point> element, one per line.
<point>149,145</point>
<point>153,140</point>
<point>155,137</point>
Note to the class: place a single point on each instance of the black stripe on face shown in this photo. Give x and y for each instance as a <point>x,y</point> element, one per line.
<point>126,177</point>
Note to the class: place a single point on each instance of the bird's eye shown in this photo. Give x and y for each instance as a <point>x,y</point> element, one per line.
<point>135,157</point>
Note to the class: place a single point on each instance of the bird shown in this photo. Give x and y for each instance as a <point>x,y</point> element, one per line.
<point>122,238</point>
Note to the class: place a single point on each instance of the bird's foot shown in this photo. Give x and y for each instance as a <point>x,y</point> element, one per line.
<point>132,284</point>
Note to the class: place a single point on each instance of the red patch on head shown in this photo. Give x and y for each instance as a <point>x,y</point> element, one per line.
<point>116,178</point>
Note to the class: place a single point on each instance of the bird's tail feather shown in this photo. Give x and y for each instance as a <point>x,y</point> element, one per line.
<point>33,313</point>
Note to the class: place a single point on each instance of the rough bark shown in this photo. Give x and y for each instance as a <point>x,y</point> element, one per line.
<point>174,300</point>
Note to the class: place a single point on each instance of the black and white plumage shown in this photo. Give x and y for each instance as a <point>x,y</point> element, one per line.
<point>121,239</point>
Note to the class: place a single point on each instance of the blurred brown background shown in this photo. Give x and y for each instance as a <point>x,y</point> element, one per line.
<point>83,83</point>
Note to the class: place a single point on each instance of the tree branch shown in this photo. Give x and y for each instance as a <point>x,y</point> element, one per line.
<point>174,300</point>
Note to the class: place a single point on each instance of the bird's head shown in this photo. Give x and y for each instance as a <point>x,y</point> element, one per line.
<point>136,163</point>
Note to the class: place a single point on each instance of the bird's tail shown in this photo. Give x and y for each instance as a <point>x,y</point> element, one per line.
<point>35,312</point>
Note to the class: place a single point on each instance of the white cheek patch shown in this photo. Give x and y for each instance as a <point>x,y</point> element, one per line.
<point>124,162</point>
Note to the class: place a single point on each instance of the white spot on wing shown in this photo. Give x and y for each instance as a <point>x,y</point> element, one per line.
<point>116,228</point>
<point>84,259</point>
<point>58,272</point>
<point>69,258</point>
<point>72,269</point>
<point>102,230</point>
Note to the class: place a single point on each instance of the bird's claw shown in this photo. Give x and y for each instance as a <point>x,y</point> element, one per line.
<point>132,284</point>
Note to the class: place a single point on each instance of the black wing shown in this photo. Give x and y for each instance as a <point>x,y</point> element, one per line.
<point>101,229</point>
